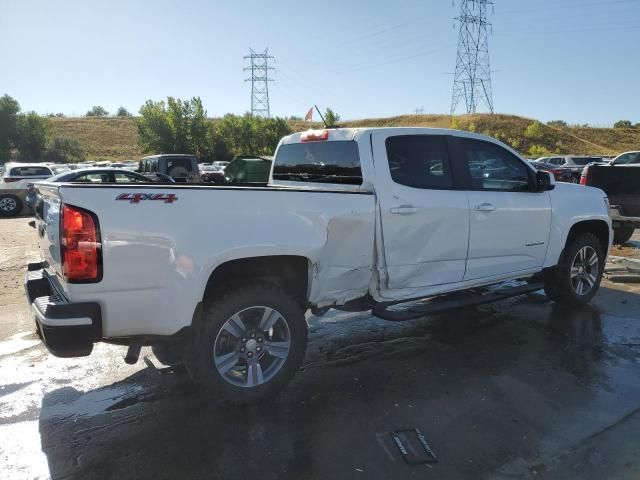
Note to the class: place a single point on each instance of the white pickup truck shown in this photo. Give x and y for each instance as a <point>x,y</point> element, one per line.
<point>393,219</point>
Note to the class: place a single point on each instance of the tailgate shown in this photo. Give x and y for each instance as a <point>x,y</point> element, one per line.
<point>621,184</point>
<point>47,214</point>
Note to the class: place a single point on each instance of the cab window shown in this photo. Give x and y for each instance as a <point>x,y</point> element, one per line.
<point>419,161</point>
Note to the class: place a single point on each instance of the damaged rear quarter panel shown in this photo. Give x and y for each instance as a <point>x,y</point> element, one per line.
<point>345,264</point>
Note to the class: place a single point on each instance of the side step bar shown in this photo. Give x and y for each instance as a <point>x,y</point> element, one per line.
<point>451,301</point>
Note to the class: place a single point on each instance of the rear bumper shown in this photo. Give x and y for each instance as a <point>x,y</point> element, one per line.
<point>67,329</point>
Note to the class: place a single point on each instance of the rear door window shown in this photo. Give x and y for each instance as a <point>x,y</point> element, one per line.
<point>419,161</point>
<point>30,171</point>
<point>329,162</point>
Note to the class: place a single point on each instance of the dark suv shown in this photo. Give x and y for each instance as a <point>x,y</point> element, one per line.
<point>181,167</point>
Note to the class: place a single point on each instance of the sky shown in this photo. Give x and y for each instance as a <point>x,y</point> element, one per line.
<point>574,60</point>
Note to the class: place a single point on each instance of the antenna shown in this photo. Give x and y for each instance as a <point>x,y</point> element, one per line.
<point>323,120</point>
<point>259,69</point>
<point>472,78</point>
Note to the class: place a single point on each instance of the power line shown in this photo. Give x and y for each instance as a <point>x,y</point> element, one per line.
<point>259,69</point>
<point>472,77</point>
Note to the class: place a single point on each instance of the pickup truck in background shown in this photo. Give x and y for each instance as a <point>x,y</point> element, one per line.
<point>620,180</point>
<point>401,221</point>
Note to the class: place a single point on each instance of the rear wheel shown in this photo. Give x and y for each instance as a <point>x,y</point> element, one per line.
<point>251,343</point>
<point>576,279</point>
<point>10,205</point>
<point>621,235</point>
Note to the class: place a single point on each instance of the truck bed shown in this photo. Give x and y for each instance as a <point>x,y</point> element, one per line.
<point>160,243</point>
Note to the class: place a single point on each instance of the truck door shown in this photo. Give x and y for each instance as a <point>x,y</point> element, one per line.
<point>509,220</point>
<point>424,215</point>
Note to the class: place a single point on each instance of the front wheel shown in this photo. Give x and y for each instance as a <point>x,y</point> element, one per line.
<point>576,279</point>
<point>251,343</point>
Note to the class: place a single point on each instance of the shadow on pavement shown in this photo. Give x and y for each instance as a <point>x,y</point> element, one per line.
<point>499,389</point>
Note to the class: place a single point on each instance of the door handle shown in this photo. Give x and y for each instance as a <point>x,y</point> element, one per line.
<point>485,207</point>
<point>403,210</point>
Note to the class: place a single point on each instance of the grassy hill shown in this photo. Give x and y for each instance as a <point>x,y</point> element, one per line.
<point>116,138</point>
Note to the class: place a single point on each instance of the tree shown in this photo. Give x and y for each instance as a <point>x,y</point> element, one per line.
<point>32,133</point>
<point>176,126</point>
<point>249,134</point>
<point>97,111</point>
<point>9,109</point>
<point>123,112</point>
<point>534,130</point>
<point>331,117</point>
<point>623,124</point>
<point>64,150</point>
<point>557,123</point>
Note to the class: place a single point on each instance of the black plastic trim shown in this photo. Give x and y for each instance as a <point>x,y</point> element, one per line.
<point>65,341</point>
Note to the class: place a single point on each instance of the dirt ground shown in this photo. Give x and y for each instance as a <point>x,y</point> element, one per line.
<point>631,249</point>
<point>518,389</point>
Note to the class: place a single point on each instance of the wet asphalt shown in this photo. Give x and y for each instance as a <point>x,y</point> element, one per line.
<point>518,389</point>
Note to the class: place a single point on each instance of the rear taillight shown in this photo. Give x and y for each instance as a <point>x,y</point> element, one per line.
<point>80,246</point>
<point>583,177</point>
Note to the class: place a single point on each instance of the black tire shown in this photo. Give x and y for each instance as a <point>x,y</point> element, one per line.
<point>10,205</point>
<point>621,235</point>
<point>201,360</point>
<point>559,284</point>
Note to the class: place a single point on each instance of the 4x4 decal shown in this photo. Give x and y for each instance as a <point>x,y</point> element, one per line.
<point>138,197</point>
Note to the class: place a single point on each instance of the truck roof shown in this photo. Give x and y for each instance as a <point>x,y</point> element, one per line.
<point>346,134</point>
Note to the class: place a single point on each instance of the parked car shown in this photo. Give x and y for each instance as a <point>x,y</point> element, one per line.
<point>627,158</point>
<point>559,174</point>
<point>211,174</point>
<point>620,179</point>
<point>94,175</point>
<point>354,219</point>
<point>247,169</point>
<point>18,173</point>
<point>182,168</point>
<point>13,185</point>
<point>570,166</point>
<point>220,165</point>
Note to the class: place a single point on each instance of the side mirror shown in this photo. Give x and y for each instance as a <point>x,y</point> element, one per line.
<point>545,181</point>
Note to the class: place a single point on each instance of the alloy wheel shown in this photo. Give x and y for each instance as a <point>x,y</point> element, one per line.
<point>584,270</point>
<point>252,346</point>
<point>8,204</point>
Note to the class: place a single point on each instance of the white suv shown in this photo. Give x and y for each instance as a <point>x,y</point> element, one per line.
<point>13,187</point>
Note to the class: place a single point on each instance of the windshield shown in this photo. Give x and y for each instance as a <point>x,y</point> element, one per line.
<point>332,162</point>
